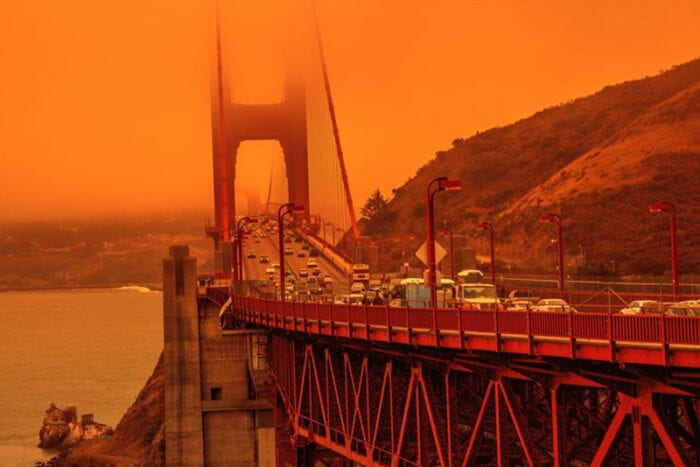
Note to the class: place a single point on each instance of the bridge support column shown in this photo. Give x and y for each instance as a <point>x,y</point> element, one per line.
<point>497,390</point>
<point>217,387</point>
<point>183,408</point>
<point>223,259</point>
<point>640,409</point>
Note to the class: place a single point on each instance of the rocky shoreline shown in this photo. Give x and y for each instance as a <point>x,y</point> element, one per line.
<point>61,428</point>
<point>138,439</point>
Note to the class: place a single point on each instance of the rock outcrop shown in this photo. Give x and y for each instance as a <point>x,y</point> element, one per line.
<point>62,429</point>
<point>139,438</point>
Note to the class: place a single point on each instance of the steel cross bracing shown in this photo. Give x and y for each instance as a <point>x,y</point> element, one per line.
<point>379,387</point>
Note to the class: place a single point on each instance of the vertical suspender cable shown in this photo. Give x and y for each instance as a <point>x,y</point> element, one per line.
<point>336,134</point>
<point>269,192</point>
<point>224,210</point>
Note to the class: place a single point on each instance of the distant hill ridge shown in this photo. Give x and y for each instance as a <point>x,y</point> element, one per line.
<point>598,161</point>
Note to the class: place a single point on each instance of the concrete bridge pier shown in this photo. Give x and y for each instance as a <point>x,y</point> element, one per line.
<point>217,388</point>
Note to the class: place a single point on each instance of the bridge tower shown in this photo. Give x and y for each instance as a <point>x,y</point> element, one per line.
<point>234,123</point>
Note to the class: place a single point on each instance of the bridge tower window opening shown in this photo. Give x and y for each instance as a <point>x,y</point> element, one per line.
<point>215,393</point>
<point>261,180</point>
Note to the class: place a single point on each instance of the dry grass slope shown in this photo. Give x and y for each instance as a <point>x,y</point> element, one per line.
<point>597,161</point>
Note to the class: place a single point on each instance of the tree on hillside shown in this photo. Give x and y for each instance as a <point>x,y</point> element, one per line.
<point>374,207</point>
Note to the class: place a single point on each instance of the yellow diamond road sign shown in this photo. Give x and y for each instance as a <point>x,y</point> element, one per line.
<point>422,253</point>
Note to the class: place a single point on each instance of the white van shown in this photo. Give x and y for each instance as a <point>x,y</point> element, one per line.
<point>470,276</point>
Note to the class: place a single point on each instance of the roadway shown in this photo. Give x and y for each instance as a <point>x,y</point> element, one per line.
<point>267,245</point>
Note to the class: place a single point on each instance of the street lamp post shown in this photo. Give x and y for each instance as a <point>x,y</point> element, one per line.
<point>557,220</point>
<point>322,228</point>
<point>489,227</point>
<point>443,184</point>
<point>381,258</point>
<point>281,212</point>
<point>665,206</point>
<point>239,244</point>
<point>446,231</point>
<point>405,246</point>
<point>325,229</point>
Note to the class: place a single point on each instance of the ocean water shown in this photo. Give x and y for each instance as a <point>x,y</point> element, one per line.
<point>92,348</point>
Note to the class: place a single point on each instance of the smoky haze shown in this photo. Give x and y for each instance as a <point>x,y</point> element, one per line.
<point>104,106</point>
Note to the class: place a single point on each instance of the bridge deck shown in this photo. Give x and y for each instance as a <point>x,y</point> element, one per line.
<point>640,339</point>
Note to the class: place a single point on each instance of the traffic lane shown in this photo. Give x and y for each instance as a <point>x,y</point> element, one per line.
<point>255,270</point>
<point>268,246</point>
<point>340,281</point>
<point>296,263</point>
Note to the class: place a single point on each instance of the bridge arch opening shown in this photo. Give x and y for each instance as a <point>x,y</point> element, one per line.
<point>261,178</point>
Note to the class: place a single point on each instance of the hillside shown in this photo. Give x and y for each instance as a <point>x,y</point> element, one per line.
<point>139,439</point>
<point>598,161</point>
<point>96,253</point>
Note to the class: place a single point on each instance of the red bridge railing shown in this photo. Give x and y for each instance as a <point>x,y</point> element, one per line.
<point>643,339</point>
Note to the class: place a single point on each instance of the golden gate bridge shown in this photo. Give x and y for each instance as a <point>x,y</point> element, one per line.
<point>381,385</point>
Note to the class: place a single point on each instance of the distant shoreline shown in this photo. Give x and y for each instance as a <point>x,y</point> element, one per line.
<point>152,287</point>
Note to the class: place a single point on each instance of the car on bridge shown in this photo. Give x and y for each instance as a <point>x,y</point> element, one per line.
<point>288,251</point>
<point>251,254</point>
<point>553,304</point>
<point>311,263</point>
<point>518,305</point>
<point>264,259</point>
<point>316,272</point>
<point>303,272</point>
<point>642,307</point>
<point>301,254</point>
<point>683,309</point>
<point>357,287</point>
<point>349,299</point>
<point>476,296</point>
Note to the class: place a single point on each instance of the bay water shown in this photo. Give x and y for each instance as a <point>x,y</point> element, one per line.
<point>92,348</point>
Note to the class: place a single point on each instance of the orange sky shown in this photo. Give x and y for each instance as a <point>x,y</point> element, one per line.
<point>104,106</point>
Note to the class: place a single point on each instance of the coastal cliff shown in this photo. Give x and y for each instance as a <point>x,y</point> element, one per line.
<point>139,436</point>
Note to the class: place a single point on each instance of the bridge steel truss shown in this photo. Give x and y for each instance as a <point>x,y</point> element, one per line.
<point>379,386</point>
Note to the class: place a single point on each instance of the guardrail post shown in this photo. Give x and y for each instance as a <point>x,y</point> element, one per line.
<point>497,330</point>
<point>349,323</point>
<point>330,318</point>
<point>366,321</point>
<point>528,329</point>
<point>303,315</point>
<point>435,327</point>
<point>278,308</point>
<point>318,317</point>
<point>610,336</point>
<point>388,325</point>
<point>570,330</point>
<point>459,325</point>
<point>664,340</point>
